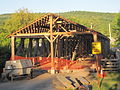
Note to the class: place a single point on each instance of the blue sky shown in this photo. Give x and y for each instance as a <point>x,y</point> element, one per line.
<point>53,6</point>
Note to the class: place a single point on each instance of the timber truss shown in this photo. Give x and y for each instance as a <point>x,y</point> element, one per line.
<point>60,26</point>
<point>56,36</point>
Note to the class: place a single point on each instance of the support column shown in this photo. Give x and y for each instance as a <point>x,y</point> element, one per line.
<point>30,48</point>
<point>12,48</point>
<point>51,45</point>
<point>30,55</point>
<point>20,49</point>
<point>44,47</point>
<point>95,38</point>
<point>36,47</point>
<point>58,47</point>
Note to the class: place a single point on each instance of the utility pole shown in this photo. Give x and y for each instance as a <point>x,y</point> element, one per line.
<point>110,32</point>
<point>91,26</point>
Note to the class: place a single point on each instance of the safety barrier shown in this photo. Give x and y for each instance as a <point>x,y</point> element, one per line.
<point>59,63</point>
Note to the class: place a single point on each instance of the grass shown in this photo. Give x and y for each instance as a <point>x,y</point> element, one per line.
<point>110,82</point>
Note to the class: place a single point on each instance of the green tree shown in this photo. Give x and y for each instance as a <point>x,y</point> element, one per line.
<point>116,28</point>
<point>19,19</point>
<point>16,20</point>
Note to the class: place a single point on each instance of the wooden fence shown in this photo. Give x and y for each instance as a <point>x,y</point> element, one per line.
<point>110,64</point>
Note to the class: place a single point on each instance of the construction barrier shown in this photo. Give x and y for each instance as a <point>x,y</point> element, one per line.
<point>59,63</point>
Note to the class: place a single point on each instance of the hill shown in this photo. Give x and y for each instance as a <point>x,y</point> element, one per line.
<point>99,21</point>
<point>4,17</point>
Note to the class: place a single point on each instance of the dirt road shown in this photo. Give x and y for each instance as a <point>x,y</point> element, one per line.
<point>41,82</point>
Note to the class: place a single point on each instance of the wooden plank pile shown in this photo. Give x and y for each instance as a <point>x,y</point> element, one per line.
<point>74,83</point>
<point>80,79</point>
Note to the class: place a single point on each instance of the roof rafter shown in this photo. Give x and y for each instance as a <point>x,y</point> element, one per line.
<point>42,26</point>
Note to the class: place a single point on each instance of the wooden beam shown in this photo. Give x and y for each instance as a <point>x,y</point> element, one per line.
<point>55,19</point>
<point>63,28</point>
<point>47,38</point>
<point>55,38</point>
<point>30,47</point>
<point>36,47</point>
<point>51,45</point>
<point>95,37</point>
<point>26,26</point>
<point>58,47</point>
<point>12,48</point>
<point>98,66</point>
<point>53,33</point>
<point>20,48</point>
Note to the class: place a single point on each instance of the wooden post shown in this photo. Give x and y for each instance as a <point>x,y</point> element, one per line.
<point>98,67</point>
<point>30,45</point>
<point>97,56</point>
<point>12,48</point>
<point>20,50</point>
<point>37,43</point>
<point>44,48</point>
<point>15,44</point>
<point>30,48</point>
<point>33,61</point>
<point>95,37</point>
<point>51,45</point>
<point>36,47</point>
<point>58,47</point>
<point>58,52</point>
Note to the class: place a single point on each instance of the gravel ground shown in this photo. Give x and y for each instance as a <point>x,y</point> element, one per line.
<point>41,82</point>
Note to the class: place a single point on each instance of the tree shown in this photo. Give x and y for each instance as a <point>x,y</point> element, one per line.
<point>19,19</point>
<point>116,28</point>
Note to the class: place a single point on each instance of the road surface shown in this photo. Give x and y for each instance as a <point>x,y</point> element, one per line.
<point>41,82</point>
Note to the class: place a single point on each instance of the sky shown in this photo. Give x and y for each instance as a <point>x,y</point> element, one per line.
<point>57,6</point>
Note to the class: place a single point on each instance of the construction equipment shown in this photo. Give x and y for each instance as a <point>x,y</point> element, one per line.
<point>17,68</point>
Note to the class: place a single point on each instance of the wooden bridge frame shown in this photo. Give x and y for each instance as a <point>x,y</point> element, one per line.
<point>52,27</point>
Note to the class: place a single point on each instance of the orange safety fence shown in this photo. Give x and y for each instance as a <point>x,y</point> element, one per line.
<point>45,62</point>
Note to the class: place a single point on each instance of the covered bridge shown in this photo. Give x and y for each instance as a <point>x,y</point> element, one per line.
<point>56,37</point>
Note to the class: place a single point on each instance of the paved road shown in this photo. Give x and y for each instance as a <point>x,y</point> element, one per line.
<point>42,82</point>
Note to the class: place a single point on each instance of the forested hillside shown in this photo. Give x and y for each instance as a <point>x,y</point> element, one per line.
<point>99,21</point>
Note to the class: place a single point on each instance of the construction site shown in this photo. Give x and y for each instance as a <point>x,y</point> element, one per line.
<point>71,55</point>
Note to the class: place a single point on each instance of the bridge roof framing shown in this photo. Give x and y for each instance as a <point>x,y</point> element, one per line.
<point>61,26</point>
